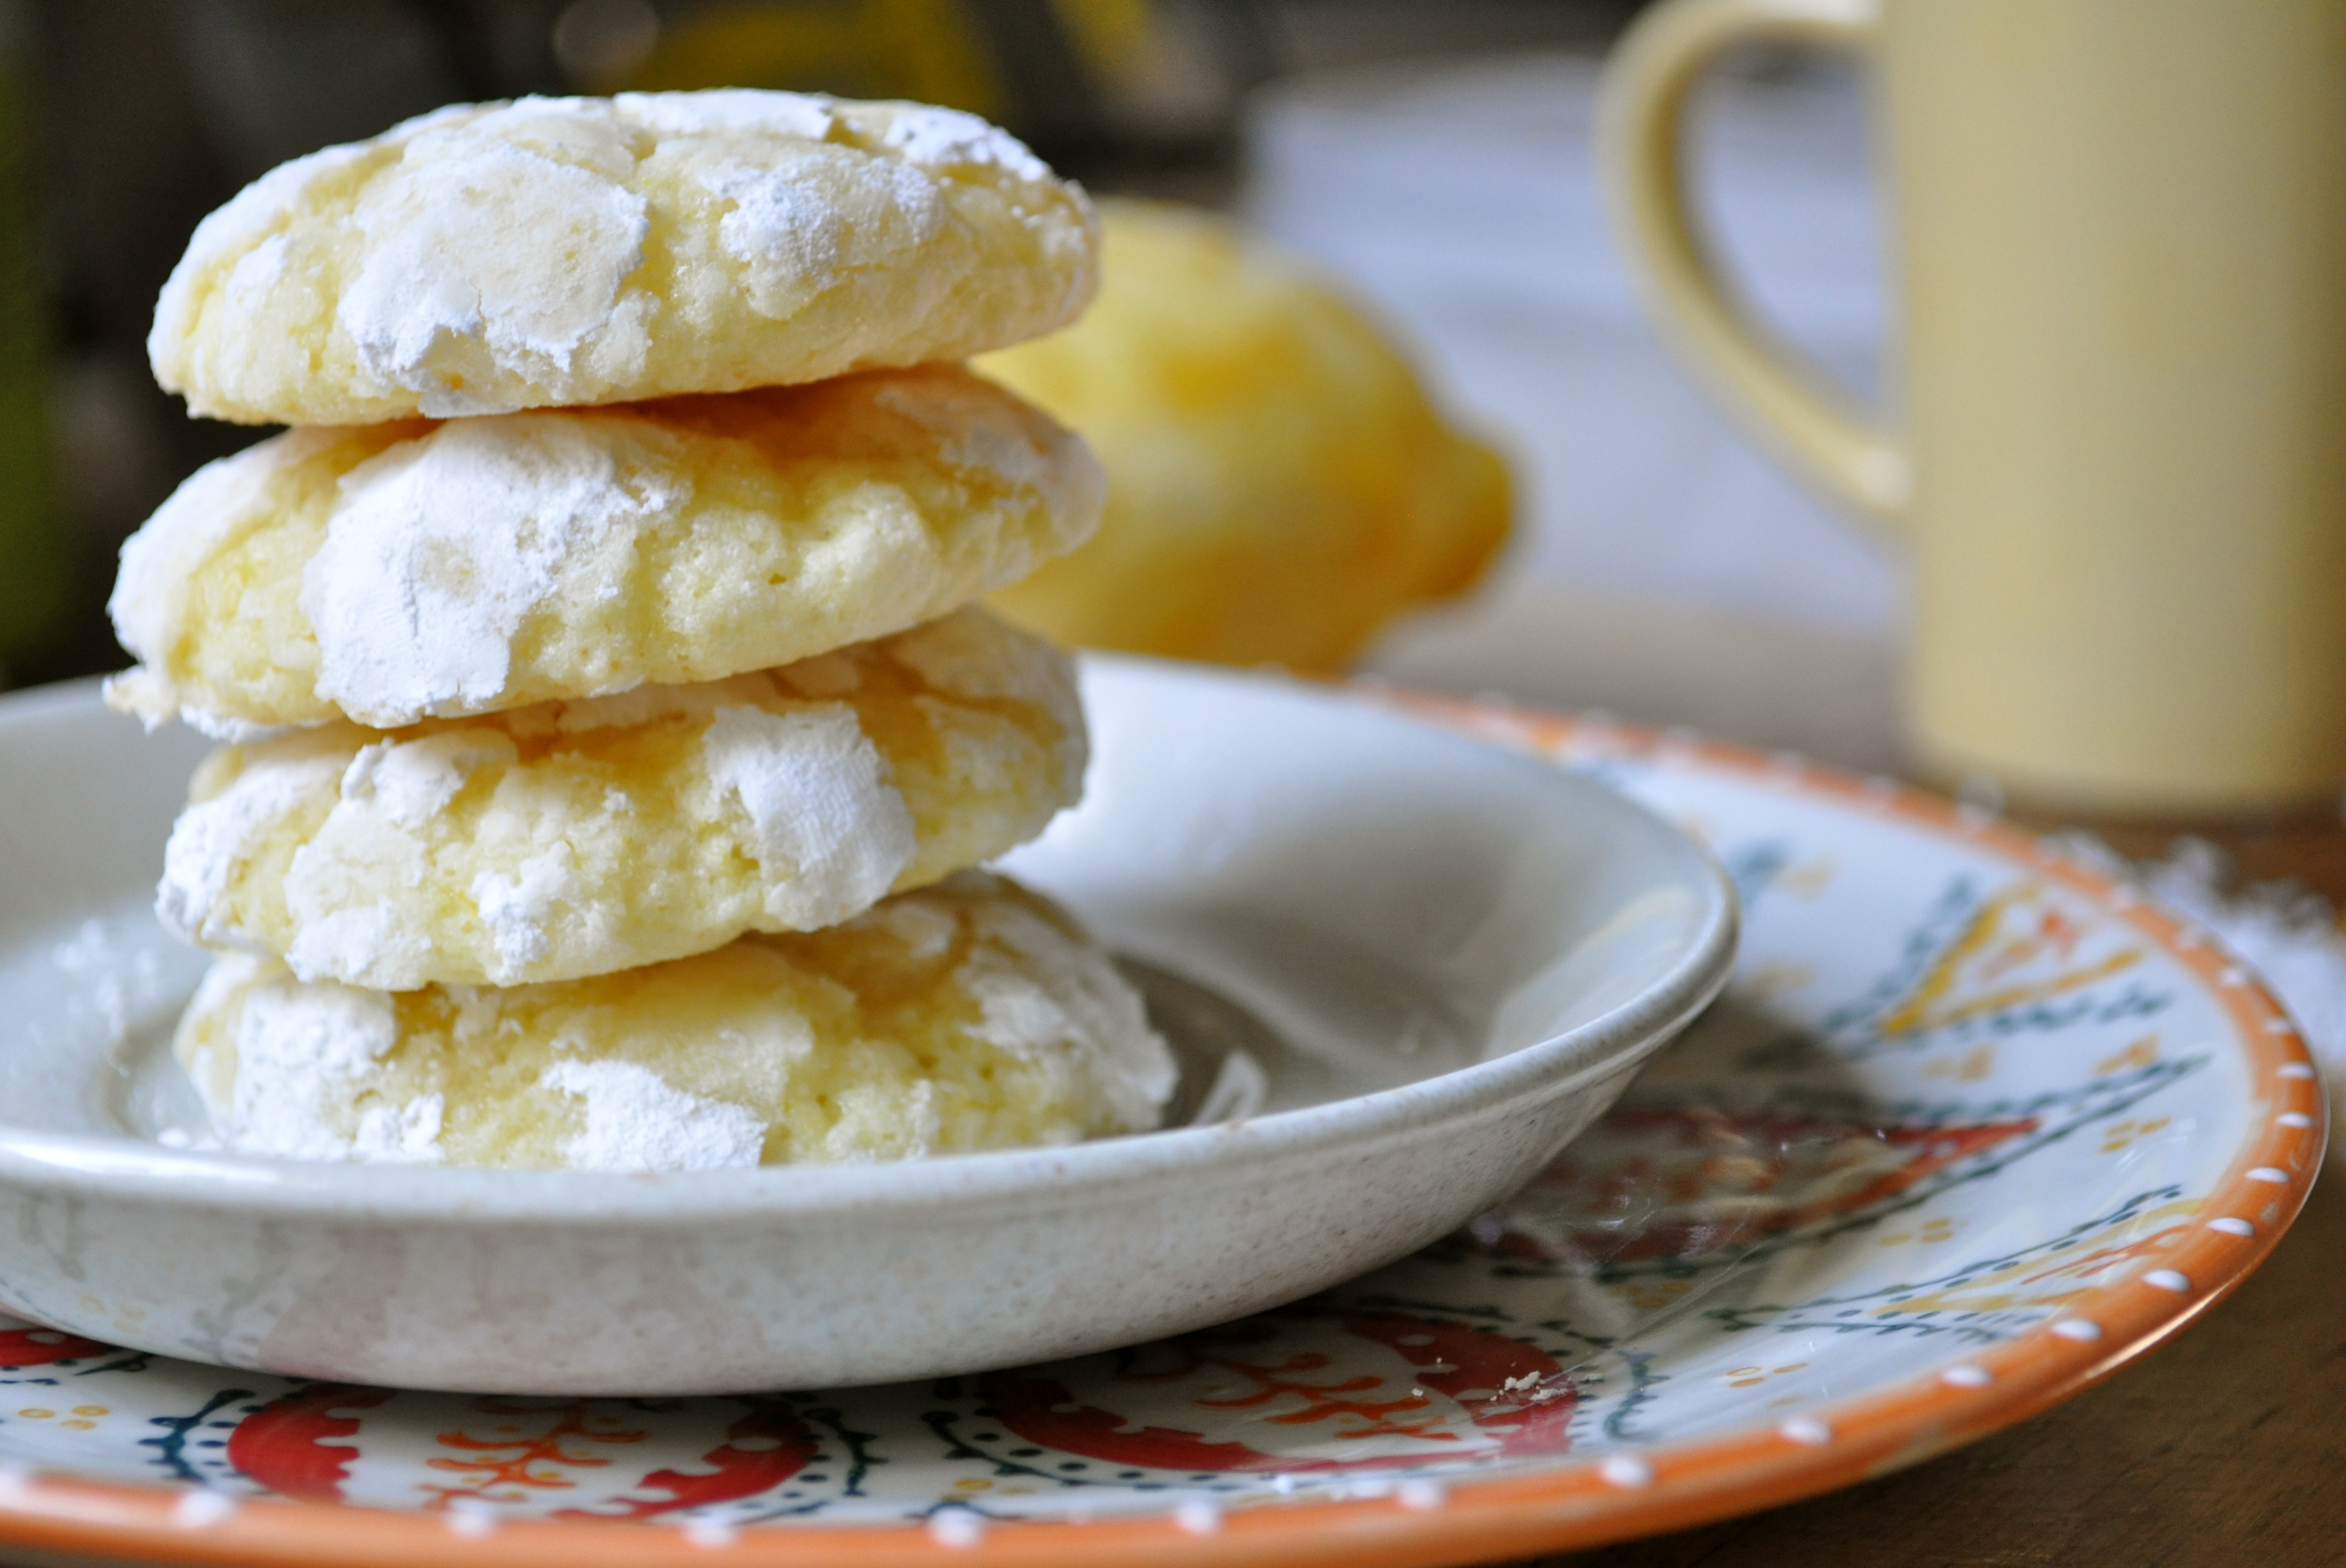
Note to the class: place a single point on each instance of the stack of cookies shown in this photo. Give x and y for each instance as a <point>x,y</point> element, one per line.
<point>609,731</point>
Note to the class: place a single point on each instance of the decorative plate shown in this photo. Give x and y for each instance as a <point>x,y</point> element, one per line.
<point>1972,1127</point>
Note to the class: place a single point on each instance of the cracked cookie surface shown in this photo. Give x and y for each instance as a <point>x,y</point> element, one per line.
<point>396,572</point>
<point>970,1016</point>
<point>550,252</point>
<point>571,839</point>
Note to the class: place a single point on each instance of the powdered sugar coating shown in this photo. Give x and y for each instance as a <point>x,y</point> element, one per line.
<point>439,549</point>
<point>1038,999</point>
<point>301,1056</point>
<point>217,838</point>
<point>968,1015</point>
<point>954,661</point>
<point>343,886</point>
<point>552,252</point>
<point>518,909</point>
<point>637,1123</point>
<point>435,313</point>
<point>941,137</point>
<point>831,833</point>
<point>723,109</point>
<point>576,838</point>
<point>400,572</point>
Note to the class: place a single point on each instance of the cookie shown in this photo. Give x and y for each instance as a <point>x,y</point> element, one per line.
<point>399,572</point>
<point>970,1016</point>
<point>573,839</point>
<point>1279,484</point>
<point>550,252</point>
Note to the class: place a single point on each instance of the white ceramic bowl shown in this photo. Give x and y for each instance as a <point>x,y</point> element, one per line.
<point>1462,955</point>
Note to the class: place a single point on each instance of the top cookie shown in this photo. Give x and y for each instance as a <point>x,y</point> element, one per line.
<point>550,252</point>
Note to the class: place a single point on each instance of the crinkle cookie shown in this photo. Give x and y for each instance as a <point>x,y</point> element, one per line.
<point>392,573</point>
<point>1279,484</point>
<point>577,837</point>
<point>969,1015</point>
<point>552,252</point>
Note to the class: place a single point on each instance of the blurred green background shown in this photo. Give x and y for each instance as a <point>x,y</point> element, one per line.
<point>122,122</point>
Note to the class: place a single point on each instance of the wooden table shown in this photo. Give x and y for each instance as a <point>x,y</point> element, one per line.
<point>2225,1448</point>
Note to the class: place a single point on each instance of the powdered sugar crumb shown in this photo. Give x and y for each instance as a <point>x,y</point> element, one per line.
<point>221,727</point>
<point>778,223</point>
<point>515,907</point>
<point>636,1122</point>
<point>407,1135</point>
<point>947,138</point>
<point>256,272</point>
<point>830,833</point>
<point>410,783</point>
<point>1017,1016</point>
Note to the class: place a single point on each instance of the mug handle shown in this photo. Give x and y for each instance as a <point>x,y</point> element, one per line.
<point>1640,134</point>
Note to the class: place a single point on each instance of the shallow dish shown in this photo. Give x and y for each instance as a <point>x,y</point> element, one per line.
<point>1454,958</point>
<point>1973,1127</point>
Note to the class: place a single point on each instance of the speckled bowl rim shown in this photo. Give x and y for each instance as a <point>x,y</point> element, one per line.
<point>1076,1174</point>
<point>1565,1508</point>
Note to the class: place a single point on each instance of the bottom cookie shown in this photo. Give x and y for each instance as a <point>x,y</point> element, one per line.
<point>973,1014</point>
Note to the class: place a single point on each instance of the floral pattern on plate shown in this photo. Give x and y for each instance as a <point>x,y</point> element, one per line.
<point>1971,1124</point>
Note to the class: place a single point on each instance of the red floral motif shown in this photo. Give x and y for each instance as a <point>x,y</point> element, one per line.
<point>1685,1183</point>
<point>283,1445</point>
<point>511,1458</point>
<point>1509,1391</point>
<point>37,1346</point>
<point>763,1449</point>
<point>287,1447</point>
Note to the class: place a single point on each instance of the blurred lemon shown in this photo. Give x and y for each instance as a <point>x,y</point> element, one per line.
<point>1279,485</point>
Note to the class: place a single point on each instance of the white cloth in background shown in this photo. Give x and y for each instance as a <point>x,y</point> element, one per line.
<point>1462,200</point>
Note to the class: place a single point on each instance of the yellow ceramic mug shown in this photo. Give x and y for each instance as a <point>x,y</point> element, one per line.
<point>2122,231</point>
